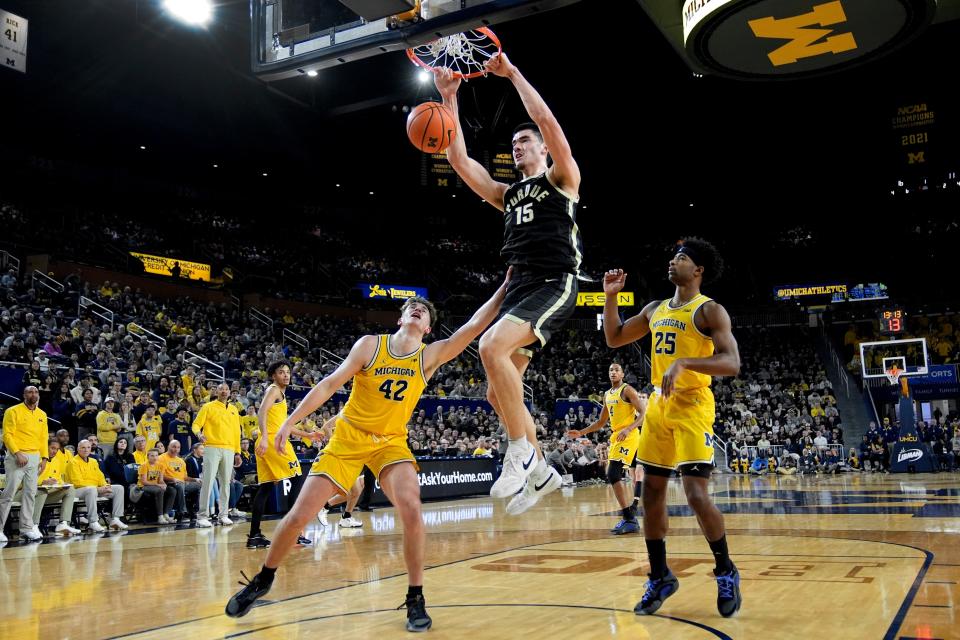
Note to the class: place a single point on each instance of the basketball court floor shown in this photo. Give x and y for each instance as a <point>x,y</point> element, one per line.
<point>862,556</point>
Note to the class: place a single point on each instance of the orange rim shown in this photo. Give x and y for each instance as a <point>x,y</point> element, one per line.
<point>464,53</point>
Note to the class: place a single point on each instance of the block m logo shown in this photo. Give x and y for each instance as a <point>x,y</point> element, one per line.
<point>801,37</point>
<point>915,158</point>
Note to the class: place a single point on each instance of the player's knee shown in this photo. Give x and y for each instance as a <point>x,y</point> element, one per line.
<point>614,472</point>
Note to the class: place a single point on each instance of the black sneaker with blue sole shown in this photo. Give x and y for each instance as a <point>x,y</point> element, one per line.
<point>657,592</point>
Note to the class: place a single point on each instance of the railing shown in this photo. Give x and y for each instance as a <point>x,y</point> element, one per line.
<point>326,354</point>
<point>40,279</point>
<point>261,317</point>
<point>17,400</point>
<point>235,301</point>
<point>95,309</point>
<point>211,368</point>
<point>475,354</point>
<point>146,335</point>
<point>295,338</point>
<point>8,260</point>
<point>835,359</point>
<point>720,447</point>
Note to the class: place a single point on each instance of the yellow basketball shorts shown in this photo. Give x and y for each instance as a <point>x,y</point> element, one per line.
<point>678,430</point>
<point>350,449</point>
<point>626,450</point>
<point>273,467</point>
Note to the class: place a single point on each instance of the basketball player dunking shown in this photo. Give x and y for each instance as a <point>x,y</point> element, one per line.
<point>692,341</point>
<point>542,243</point>
<point>624,408</point>
<point>389,375</point>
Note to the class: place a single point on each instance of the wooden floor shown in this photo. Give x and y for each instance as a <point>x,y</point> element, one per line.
<point>863,556</point>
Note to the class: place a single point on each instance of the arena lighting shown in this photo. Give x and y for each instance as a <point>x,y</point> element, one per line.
<point>312,73</point>
<point>423,76</point>
<point>196,12</point>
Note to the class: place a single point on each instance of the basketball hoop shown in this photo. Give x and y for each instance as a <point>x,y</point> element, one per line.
<point>893,374</point>
<point>463,53</point>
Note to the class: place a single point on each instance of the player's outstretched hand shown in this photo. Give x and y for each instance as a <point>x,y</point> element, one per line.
<point>499,65</point>
<point>447,83</point>
<point>574,433</point>
<point>509,275</point>
<point>280,442</point>
<point>613,281</point>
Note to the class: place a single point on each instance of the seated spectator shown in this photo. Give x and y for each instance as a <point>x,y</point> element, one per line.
<point>773,463</point>
<point>759,465</point>
<point>63,439</point>
<point>788,466</point>
<point>140,450</point>
<point>150,482</point>
<point>52,490</point>
<point>115,464</point>
<point>481,451</point>
<point>247,471</point>
<point>809,461</point>
<point>943,455</point>
<point>853,460</point>
<point>95,450</point>
<point>878,456</point>
<point>741,464</point>
<point>175,475</point>
<point>84,474</point>
<point>831,461</point>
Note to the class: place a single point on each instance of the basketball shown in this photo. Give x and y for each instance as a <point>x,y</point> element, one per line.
<point>431,127</point>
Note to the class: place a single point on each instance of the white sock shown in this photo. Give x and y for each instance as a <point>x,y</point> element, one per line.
<point>521,443</point>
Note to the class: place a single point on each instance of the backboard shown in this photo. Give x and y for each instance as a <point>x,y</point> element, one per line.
<point>897,358</point>
<point>293,37</point>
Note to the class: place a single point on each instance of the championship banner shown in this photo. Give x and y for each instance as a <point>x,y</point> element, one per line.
<point>161,265</point>
<point>914,129</point>
<point>436,172</point>
<point>13,41</point>
<point>501,166</point>
<point>596,299</point>
<point>393,291</point>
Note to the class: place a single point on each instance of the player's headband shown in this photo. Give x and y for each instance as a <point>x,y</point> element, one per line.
<point>690,253</point>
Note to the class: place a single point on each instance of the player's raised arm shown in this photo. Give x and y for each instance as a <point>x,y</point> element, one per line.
<point>564,173</point>
<point>360,356</point>
<point>471,171</point>
<point>443,351</point>
<point>620,333</point>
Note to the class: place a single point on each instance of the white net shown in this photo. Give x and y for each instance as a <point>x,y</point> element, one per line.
<point>464,53</point>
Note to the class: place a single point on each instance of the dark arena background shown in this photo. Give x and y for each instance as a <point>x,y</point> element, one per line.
<point>191,190</point>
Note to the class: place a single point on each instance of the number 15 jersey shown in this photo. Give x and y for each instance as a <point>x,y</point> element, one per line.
<point>386,391</point>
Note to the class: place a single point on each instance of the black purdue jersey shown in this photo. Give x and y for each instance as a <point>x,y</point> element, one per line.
<point>540,227</point>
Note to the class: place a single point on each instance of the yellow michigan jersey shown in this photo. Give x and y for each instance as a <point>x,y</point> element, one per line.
<point>678,430</point>
<point>622,414</point>
<point>372,428</point>
<point>272,466</point>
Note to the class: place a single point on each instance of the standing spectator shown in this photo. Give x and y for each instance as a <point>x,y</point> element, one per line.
<point>33,376</point>
<point>179,430</point>
<point>86,414</point>
<point>108,425</point>
<point>84,474</point>
<point>249,424</point>
<point>217,425</point>
<point>128,425</point>
<point>25,439</point>
<point>150,426</point>
<point>163,394</point>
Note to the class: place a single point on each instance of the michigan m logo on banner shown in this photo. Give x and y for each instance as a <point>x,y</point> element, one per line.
<point>802,38</point>
<point>915,158</point>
